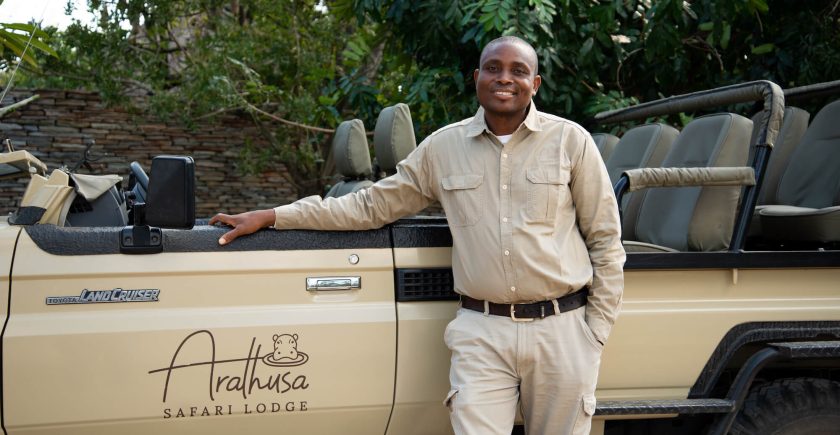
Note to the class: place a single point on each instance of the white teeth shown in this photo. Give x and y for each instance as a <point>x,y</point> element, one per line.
<point>503,93</point>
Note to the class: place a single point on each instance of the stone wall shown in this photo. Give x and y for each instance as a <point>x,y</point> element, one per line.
<point>56,127</point>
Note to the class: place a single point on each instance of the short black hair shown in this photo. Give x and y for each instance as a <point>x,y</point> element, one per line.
<point>532,54</point>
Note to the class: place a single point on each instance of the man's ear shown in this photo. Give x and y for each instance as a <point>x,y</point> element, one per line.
<point>537,83</point>
<point>475,77</point>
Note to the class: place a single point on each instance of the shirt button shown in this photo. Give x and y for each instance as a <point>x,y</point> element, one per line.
<point>504,186</point>
<point>507,252</point>
<point>504,219</point>
<point>504,155</point>
<point>513,289</point>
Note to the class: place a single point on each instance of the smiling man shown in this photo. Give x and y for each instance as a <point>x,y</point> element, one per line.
<point>536,254</point>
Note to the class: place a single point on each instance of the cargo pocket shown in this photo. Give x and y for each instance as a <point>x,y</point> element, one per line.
<point>462,199</point>
<point>584,419</point>
<point>548,187</point>
<point>449,398</point>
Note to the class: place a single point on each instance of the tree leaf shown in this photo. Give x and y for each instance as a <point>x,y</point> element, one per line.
<point>587,46</point>
<point>763,48</point>
<point>727,34</point>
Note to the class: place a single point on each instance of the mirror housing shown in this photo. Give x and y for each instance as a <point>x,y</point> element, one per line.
<point>170,204</point>
<point>171,198</point>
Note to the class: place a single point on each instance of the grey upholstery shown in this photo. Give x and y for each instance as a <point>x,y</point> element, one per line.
<point>352,158</point>
<point>644,146</point>
<point>808,197</point>
<point>695,218</point>
<point>606,144</point>
<point>393,137</point>
<point>794,124</point>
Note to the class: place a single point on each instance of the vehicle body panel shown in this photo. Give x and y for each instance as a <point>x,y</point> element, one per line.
<point>8,237</point>
<point>103,367</point>
<point>98,368</point>
<point>686,313</point>
<point>422,357</point>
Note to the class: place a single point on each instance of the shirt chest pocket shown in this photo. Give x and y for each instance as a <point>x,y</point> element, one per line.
<point>462,199</point>
<point>548,188</point>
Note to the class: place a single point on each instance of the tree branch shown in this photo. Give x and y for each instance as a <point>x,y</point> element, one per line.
<point>14,106</point>
<point>293,123</point>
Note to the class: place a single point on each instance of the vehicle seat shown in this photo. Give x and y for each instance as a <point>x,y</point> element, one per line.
<point>794,124</point>
<point>694,218</point>
<point>352,158</point>
<point>393,137</point>
<point>808,198</point>
<point>644,146</point>
<point>606,144</point>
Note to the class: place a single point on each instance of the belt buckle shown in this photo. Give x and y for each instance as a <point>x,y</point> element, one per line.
<point>517,319</point>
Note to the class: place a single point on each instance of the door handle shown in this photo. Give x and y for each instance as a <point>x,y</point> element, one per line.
<point>332,283</point>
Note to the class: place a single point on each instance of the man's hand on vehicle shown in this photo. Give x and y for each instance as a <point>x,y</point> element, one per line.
<point>243,223</point>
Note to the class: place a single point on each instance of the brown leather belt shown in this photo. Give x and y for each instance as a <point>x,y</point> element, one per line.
<point>529,312</point>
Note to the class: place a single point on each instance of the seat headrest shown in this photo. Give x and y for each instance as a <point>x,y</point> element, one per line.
<point>393,137</point>
<point>641,147</point>
<point>350,149</point>
<point>606,144</point>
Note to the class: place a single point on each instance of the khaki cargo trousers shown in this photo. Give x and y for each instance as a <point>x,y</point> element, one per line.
<point>549,367</point>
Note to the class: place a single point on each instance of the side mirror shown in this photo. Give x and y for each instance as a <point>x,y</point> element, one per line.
<point>171,197</point>
<point>170,204</point>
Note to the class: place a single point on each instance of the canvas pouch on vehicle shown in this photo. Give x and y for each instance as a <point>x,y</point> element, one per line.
<point>46,200</point>
<point>92,187</point>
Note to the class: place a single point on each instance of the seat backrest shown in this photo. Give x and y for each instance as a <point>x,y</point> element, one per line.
<point>606,144</point>
<point>644,146</point>
<point>697,218</point>
<point>352,158</point>
<point>393,137</point>
<point>794,124</point>
<point>811,177</point>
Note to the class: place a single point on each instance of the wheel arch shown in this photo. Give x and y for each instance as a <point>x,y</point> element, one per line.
<point>743,340</point>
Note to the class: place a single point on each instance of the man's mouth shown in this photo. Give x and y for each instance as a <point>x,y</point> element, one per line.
<point>504,93</point>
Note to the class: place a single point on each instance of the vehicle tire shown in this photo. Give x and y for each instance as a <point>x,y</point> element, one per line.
<point>791,407</point>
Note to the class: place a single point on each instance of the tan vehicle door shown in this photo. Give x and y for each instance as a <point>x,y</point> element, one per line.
<point>200,339</point>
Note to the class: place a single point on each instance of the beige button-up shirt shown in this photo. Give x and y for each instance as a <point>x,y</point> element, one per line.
<point>531,220</point>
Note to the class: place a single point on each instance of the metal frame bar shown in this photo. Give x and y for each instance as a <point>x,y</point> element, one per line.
<point>773,99</point>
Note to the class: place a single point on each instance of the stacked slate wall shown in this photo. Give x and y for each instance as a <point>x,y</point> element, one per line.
<point>56,127</point>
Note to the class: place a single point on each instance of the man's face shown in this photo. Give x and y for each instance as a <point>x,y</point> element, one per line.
<point>505,80</point>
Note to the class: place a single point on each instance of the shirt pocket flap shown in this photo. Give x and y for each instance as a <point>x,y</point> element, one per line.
<point>461,182</point>
<point>545,176</point>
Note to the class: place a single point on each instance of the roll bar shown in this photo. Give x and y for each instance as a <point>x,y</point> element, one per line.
<point>813,91</point>
<point>769,123</point>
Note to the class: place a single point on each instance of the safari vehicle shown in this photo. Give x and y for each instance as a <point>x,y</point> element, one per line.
<point>121,327</point>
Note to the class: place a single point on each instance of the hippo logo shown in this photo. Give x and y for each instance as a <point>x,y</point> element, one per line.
<point>286,353</point>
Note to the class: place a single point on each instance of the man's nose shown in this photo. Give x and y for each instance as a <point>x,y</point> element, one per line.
<point>504,78</point>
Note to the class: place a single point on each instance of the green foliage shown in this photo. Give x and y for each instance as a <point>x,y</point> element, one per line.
<point>610,53</point>
<point>14,38</point>
<point>320,63</point>
<point>196,59</point>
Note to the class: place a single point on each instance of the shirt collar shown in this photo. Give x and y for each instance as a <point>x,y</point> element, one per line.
<point>478,125</point>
